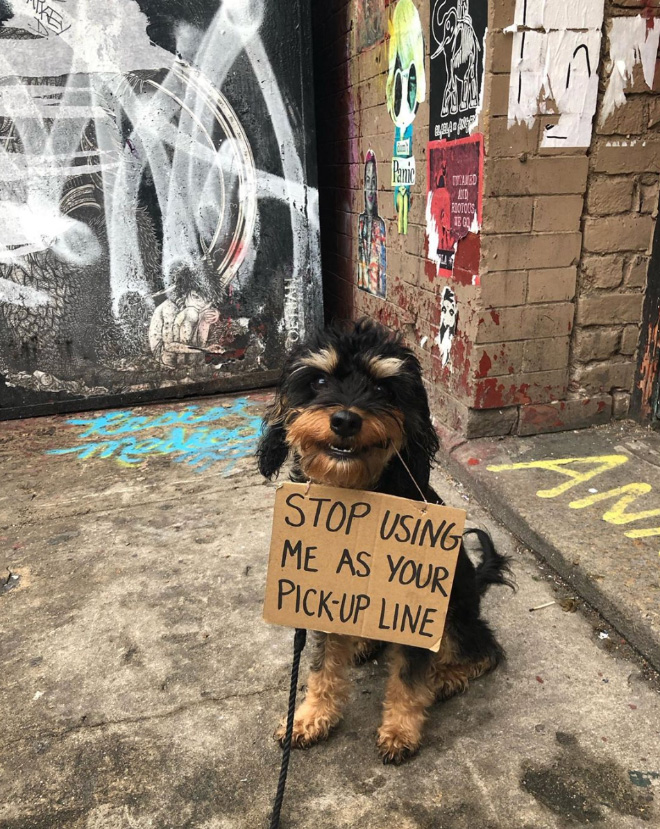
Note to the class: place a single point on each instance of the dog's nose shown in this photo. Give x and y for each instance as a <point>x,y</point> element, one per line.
<point>345,423</point>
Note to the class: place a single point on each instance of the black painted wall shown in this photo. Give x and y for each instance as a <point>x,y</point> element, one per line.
<point>158,202</point>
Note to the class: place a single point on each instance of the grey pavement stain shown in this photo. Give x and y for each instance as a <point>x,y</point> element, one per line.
<point>579,786</point>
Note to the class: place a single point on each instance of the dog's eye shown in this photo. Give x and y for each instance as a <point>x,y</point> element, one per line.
<point>320,383</point>
<point>379,388</point>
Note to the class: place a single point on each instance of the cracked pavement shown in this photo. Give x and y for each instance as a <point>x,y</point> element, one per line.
<point>140,687</point>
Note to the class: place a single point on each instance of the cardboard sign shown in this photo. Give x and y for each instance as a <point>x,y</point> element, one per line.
<point>362,564</point>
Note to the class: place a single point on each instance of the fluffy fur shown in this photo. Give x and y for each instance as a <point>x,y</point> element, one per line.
<point>347,403</point>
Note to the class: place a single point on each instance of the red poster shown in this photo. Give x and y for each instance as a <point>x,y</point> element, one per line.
<point>454,204</point>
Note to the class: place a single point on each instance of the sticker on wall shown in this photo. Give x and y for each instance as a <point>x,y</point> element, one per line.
<point>406,89</point>
<point>458,31</point>
<point>554,68</point>
<point>370,23</point>
<point>372,253</point>
<point>448,324</point>
<point>453,205</point>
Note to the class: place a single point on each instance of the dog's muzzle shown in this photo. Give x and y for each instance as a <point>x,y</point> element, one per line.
<point>345,423</point>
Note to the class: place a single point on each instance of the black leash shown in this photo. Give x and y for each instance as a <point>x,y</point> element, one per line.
<point>298,644</point>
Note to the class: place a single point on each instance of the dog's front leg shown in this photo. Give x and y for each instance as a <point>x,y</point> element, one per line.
<point>409,693</point>
<point>327,690</point>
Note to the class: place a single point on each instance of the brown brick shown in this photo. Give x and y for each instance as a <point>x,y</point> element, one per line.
<point>609,194</point>
<point>636,271</point>
<point>550,175</point>
<point>638,4</point>
<point>524,388</point>
<point>510,215</point>
<point>603,271</point>
<point>498,52</point>
<point>561,415</point>
<point>557,213</point>
<point>489,423</point>
<point>654,112</point>
<point>620,404</point>
<point>501,14</point>
<point>502,288</point>
<point>629,119</point>
<point>621,156</point>
<point>518,252</point>
<point>551,285</point>
<point>648,198</point>
<point>610,234</point>
<point>629,340</point>
<point>497,99</point>
<point>447,411</point>
<point>595,343</point>
<point>609,309</point>
<point>603,377</point>
<point>502,325</point>
<point>545,354</point>
<point>497,359</point>
<point>553,320</point>
<point>503,141</point>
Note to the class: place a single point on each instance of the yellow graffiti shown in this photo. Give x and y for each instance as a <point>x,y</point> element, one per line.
<point>617,513</point>
<point>644,533</point>
<point>626,495</point>
<point>602,463</point>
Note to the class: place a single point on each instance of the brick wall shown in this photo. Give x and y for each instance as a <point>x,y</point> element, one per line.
<point>618,224</point>
<point>548,339</point>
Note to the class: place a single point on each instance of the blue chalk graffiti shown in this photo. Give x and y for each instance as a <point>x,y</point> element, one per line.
<point>121,435</point>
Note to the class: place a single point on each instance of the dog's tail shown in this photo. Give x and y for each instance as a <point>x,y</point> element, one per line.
<point>494,567</point>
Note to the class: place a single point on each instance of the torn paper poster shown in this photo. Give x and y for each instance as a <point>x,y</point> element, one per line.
<point>453,206</point>
<point>633,40</point>
<point>553,15</point>
<point>554,68</point>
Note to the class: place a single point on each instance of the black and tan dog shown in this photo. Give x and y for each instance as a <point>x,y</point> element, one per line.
<point>351,408</point>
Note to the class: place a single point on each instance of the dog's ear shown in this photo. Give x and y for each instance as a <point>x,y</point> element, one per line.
<point>422,442</point>
<point>273,449</point>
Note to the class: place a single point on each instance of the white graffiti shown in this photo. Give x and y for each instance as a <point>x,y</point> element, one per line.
<point>554,67</point>
<point>126,109</point>
<point>633,41</point>
<point>457,41</point>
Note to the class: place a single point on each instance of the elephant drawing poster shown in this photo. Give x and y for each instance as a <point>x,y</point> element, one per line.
<point>458,30</point>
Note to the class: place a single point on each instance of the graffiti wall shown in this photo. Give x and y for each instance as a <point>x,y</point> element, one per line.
<point>158,210</point>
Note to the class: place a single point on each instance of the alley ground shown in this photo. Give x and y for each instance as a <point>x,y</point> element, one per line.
<point>139,686</point>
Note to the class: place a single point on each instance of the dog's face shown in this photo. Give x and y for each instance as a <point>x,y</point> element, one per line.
<point>346,405</point>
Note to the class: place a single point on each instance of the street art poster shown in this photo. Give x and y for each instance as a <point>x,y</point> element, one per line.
<point>448,324</point>
<point>156,227</point>
<point>372,252</point>
<point>554,68</point>
<point>405,90</point>
<point>453,206</point>
<point>458,31</point>
<point>370,23</point>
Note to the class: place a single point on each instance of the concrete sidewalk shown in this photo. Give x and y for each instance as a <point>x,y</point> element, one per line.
<point>588,501</point>
<point>140,687</point>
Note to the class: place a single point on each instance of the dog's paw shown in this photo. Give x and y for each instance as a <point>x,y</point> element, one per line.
<point>395,748</point>
<point>306,731</point>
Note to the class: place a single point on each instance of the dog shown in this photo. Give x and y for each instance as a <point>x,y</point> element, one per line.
<point>352,411</point>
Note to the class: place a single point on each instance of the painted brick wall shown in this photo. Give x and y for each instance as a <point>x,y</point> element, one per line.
<point>548,338</point>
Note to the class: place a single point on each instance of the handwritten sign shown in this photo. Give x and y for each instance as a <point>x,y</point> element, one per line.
<point>362,564</point>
